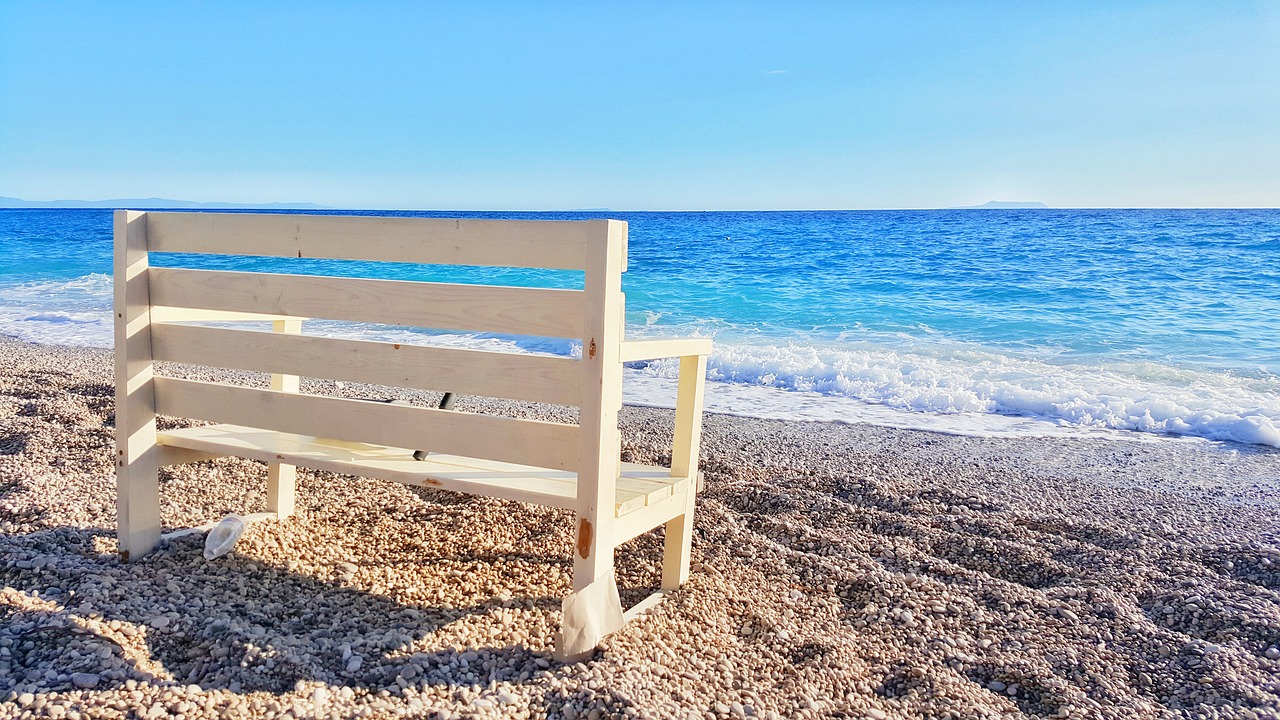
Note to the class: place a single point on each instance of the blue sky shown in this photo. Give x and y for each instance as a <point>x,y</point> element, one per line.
<point>643,106</point>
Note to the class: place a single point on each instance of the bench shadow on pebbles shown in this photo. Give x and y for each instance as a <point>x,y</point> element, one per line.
<point>236,624</point>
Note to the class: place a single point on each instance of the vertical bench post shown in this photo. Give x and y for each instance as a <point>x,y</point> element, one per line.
<point>678,540</point>
<point>598,608</point>
<point>282,478</point>
<point>602,399</point>
<point>137,455</point>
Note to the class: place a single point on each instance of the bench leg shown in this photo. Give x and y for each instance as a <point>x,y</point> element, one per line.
<point>138,506</point>
<point>677,545</point>
<point>593,610</point>
<point>282,479</point>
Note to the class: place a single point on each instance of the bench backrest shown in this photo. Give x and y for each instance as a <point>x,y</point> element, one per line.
<point>149,300</point>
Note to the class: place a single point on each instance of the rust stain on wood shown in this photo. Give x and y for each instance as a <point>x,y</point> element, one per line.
<point>396,346</point>
<point>431,481</point>
<point>591,350</point>
<point>124,556</point>
<point>584,537</point>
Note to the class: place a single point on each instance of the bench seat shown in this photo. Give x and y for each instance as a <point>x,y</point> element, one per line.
<point>638,486</point>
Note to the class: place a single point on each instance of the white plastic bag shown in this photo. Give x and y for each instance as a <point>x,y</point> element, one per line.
<point>223,537</point>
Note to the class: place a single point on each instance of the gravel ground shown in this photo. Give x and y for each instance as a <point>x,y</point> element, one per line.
<point>841,571</point>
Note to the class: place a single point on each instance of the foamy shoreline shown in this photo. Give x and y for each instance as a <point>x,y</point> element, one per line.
<point>844,570</point>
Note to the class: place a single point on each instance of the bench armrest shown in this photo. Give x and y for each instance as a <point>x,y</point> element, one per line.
<point>693,354</point>
<point>633,350</point>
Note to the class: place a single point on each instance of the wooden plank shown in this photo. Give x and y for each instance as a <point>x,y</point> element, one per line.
<point>688,427</point>
<point>534,378</point>
<point>181,456</point>
<point>505,243</point>
<point>161,313</point>
<point>641,520</point>
<point>483,308</point>
<point>652,349</point>
<point>602,398</point>
<point>281,477</point>
<point>678,540</point>
<point>644,606</point>
<point>532,442</point>
<point>451,472</point>
<point>137,456</point>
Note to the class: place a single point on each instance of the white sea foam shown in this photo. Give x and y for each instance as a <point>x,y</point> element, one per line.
<point>927,383</point>
<point>946,379</point>
<point>73,312</point>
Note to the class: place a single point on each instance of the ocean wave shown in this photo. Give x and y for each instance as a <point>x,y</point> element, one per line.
<point>951,379</point>
<point>59,312</point>
<point>62,317</point>
<point>92,285</point>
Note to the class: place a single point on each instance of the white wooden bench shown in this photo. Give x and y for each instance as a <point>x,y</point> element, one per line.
<point>561,465</point>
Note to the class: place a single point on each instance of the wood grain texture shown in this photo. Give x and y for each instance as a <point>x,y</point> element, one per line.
<point>164,313</point>
<point>677,544</point>
<point>534,378</point>
<point>601,400</point>
<point>137,457</point>
<point>502,243</point>
<point>282,478</point>
<point>639,486</point>
<point>479,308</point>
<point>531,442</point>
<point>655,348</point>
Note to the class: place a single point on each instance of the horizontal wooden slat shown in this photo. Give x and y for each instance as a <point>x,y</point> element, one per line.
<point>468,372</point>
<point>481,308</point>
<point>639,487</point>
<point>633,350</point>
<point>161,313</point>
<point>533,442</point>
<point>505,243</point>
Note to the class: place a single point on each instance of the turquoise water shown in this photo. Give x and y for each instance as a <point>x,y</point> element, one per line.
<point>1159,321</point>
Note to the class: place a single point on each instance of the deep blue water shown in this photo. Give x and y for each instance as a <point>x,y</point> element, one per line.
<point>1164,321</point>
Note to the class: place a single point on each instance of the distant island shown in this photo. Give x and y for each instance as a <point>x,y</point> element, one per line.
<point>149,203</point>
<point>1002,205</point>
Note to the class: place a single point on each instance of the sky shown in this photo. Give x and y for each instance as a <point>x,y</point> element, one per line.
<point>643,106</point>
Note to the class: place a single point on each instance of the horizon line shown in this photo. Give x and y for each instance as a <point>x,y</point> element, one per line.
<point>75,204</point>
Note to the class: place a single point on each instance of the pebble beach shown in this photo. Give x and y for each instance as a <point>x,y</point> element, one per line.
<point>841,570</point>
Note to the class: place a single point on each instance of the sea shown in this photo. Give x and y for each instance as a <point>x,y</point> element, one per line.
<point>1142,324</point>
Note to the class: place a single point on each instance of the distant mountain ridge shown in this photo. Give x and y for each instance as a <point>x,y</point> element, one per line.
<point>1002,205</point>
<point>149,203</point>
